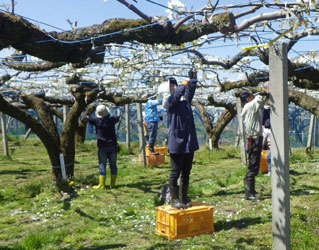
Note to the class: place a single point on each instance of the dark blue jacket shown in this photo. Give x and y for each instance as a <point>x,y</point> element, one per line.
<point>182,136</point>
<point>105,130</point>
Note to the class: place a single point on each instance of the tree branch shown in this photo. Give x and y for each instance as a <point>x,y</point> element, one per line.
<point>135,10</point>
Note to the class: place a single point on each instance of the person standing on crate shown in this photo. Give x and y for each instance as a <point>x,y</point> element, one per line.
<point>152,117</point>
<point>182,138</point>
<point>253,129</point>
<point>106,142</point>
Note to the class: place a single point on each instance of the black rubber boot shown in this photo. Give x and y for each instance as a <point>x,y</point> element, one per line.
<point>249,195</point>
<point>175,202</point>
<point>183,189</point>
<point>253,187</point>
<point>151,149</point>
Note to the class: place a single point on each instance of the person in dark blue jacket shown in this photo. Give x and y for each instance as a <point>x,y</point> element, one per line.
<point>182,138</point>
<point>106,142</point>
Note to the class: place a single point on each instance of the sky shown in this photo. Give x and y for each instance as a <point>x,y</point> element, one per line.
<point>89,12</point>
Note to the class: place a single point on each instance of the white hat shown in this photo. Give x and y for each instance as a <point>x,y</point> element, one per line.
<point>101,111</point>
<point>164,88</point>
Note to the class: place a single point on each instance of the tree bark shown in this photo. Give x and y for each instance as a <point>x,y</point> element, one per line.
<point>208,126</point>
<point>226,116</point>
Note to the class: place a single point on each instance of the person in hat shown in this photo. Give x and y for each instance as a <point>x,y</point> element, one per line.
<point>152,117</point>
<point>106,142</point>
<point>252,122</point>
<point>182,138</point>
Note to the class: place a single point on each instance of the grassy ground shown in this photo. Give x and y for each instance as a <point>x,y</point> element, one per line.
<point>35,214</point>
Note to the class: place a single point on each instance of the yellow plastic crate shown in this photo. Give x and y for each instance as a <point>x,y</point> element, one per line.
<point>152,160</point>
<point>175,224</point>
<point>160,150</point>
<point>263,167</point>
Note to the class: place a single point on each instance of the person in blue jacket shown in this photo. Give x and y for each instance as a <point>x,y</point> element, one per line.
<point>182,138</point>
<point>152,117</point>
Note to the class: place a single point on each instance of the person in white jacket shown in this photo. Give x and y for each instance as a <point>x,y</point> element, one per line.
<point>253,129</point>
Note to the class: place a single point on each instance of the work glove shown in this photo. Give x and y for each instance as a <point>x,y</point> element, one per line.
<point>185,83</point>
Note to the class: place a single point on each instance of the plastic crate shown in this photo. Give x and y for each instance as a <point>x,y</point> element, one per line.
<point>263,167</point>
<point>152,160</point>
<point>160,150</point>
<point>175,224</point>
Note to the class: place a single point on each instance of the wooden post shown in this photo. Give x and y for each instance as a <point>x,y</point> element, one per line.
<point>141,133</point>
<point>241,134</point>
<point>4,134</point>
<point>310,133</point>
<point>127,127</point>
<point>278,76</point>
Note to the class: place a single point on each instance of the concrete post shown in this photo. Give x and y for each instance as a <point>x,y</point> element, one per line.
<point>241,134</point>
<point>65,112</point>
<point>4,134</point>
<point>127,127</point>
<point>310,133</point>
<point>278,74</point>
<point>8,122</point>
<point>141,133</point>
<point>27,133</point>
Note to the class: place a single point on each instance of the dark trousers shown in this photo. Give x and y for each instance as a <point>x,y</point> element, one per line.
<point>254,151</point>
<point>152,132</point>
<point>181,164</point>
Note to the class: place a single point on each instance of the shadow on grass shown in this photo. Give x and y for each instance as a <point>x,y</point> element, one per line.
<point>295,173</point>
<point>239,224</point>
<point>158,246</point>
<point>16,172</point>
<point>103,247</point>
<point>146,186</point>
<point>78,211</point>
<point>304,190</point>
<point>222,193</point>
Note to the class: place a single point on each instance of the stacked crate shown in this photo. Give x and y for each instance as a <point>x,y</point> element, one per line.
<point>263,162</point>
<point>154,160</point>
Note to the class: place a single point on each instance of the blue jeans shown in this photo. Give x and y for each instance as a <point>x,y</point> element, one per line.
<point>269,161</point>
<point>107,153</point>
<point>152,132</point>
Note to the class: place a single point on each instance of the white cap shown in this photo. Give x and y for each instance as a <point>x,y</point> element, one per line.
<point>101,111</point>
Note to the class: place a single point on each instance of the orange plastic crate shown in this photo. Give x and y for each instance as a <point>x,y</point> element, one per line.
<point>263,167</point>
<point>152,160</point>
<point>175,224</point>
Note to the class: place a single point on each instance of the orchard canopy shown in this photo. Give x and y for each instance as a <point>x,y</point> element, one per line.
<point>123,61</point>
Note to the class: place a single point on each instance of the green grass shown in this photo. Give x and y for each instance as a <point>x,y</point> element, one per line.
<point>36,214</point>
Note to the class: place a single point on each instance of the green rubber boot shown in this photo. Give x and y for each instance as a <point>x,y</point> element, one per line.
<point>101,183</point>
<point>249,195</point>
<point>113,180</point>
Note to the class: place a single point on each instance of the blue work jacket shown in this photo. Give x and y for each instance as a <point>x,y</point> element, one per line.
<point>182,136</point>
<point>151,112</point>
